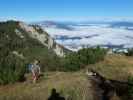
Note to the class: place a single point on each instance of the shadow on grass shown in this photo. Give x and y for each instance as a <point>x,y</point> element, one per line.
<point>55,96</point>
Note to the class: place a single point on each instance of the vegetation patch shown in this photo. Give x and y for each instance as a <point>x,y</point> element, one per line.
<point>78,60</point>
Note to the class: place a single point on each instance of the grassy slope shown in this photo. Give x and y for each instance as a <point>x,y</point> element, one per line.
<point>117,67</point>
<point>70,85</point>
<point>75,85</point>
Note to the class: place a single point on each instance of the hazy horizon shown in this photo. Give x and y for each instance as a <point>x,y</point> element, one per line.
<point>66,10</point>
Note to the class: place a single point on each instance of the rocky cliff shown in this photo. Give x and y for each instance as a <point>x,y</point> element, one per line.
<point>35,32</point>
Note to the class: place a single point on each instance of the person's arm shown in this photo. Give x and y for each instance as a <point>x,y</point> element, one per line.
<point>32,70</point>
<point>39,69</point>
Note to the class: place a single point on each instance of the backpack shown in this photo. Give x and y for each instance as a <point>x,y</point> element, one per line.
<point>30,67</point>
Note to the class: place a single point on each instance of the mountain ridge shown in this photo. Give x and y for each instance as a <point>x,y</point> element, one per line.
<point>23,31</point>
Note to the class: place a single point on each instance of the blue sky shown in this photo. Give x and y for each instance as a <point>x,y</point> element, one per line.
<point>37,10</point>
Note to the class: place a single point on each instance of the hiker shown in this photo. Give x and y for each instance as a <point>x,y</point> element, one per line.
<point>35,69</point>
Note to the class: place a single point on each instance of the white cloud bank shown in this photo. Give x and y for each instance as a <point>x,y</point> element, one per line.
<point>97,34</point>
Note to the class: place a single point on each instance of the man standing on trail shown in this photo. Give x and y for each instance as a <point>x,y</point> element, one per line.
<point>35,69</point>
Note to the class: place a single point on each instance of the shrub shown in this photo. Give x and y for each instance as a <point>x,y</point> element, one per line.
<point>130,87</point>
<point>130,52</point>
<point>77,60</point>
<point>12,69</point>
<point>72,62</point>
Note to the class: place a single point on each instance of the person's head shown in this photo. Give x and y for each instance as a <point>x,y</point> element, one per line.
<point>53,91</point>
<point>36,61</point>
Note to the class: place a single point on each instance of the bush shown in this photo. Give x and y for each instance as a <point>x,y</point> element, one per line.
<point>51,63</point>
<point>130,52</point>
<point>12,69</point>
<point>77,60</point>
<point>72,62</point>
<point>130,87</point>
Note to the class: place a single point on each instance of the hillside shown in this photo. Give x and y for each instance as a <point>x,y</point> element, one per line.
<point>28,42</point>
<point>28,36</point>
<point>20,45</point>
<point>116,67</point>
<point>71,85</point>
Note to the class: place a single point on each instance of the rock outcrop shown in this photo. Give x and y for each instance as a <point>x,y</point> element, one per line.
<point>34,31</point>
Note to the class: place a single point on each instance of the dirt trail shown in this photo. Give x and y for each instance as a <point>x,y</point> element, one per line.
<point>108,89</point>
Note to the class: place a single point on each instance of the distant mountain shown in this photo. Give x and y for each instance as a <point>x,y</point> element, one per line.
<point>122,24</point>
<point>126,25</point>
<point>61,25</point>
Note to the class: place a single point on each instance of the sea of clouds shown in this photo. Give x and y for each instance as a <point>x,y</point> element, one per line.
<point>92,35</point>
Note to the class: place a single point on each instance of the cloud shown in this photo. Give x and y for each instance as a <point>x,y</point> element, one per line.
<point>90,18</point>
<point>104,35</point>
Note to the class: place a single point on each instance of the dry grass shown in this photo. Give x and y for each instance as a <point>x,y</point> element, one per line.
<point>117,67</point>
<point>73,86</point>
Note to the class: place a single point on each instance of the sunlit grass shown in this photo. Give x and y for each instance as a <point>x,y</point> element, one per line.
<point>71,85</point>
<point>117,67</point>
